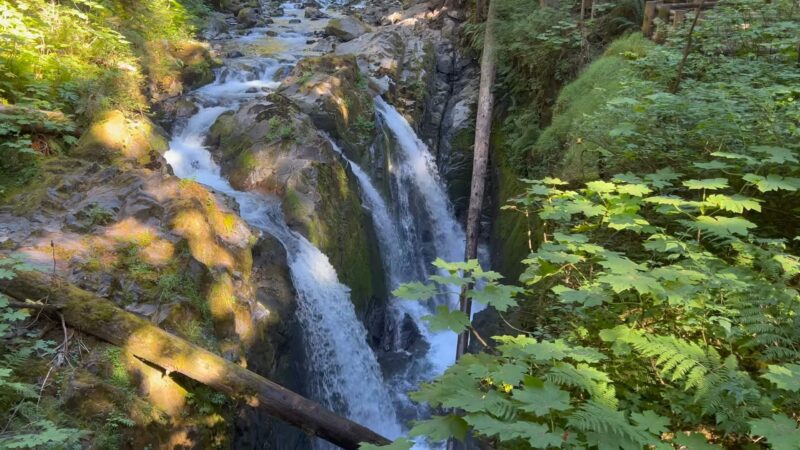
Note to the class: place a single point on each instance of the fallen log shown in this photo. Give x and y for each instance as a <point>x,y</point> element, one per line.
<point>99,317</point>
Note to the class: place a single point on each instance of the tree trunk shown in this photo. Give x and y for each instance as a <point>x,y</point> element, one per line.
<point>96,316</point>
<point>483,130</point>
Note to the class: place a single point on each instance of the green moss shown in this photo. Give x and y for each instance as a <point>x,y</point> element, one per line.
<point>558,149</point>
<point>341,230</point>
<point>509,228</point>
<point>119,373</point>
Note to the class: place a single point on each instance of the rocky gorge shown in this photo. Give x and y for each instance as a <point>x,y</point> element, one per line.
<point>256,200</point>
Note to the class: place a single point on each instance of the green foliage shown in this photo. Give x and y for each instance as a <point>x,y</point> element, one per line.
<point>63,63</point>
<point>735,95</point>
<point>279,129</point>
<point>25,423</point>
<point>681,318</point>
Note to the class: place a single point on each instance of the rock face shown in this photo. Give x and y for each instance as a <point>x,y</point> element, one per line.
<point>346,28</point>
<point>114,137</point>
<point>333,92</point>
<point>414,61</point>
<point>272,146</point>
<point>168,250</point>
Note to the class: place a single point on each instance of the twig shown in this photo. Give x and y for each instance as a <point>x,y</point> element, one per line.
<point>40,306</point>
<point>44,383</point>
<point>65,350</point>
<point>687,49</point>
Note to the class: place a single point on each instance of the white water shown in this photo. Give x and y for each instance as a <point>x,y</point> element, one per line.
<point>346,376</point>
<point>413,228</point>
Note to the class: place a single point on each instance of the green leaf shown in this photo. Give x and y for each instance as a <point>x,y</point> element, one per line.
<point>537,435</point>
<point>499,296</point>
<point>723,226</point>
<point>601,187</point>
<point>440,428</point>
<point>714,165</point>
<point>736,203</point>
<point>638,281</point>
<point>510,374</point>
<point>585,297</point>
<point>6,274</point>
<point>777,155</point>
<point>475,400</point>
<point>786,377</point>
<point>541,400</point>
<point>709,184</point>
<point>400,444</point>
<point>694,441</point>
<point>453,280</point>
<point>650,421</point>
<point>636,190</point>
<point>444,319</point>
<point>780,431</point>
<point>415,291</point>
<point>773,182</point>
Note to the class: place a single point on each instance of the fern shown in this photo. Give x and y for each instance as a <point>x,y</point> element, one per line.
<point>602,419</point>
<point>594,382</point>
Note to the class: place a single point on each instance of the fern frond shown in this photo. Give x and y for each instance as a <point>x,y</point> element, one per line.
<point>587,378</point>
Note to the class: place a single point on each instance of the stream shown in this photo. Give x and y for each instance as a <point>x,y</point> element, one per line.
<point>414,224</point>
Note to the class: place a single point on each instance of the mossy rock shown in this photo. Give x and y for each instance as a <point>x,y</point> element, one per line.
<point>558,150</point>
<point>346,28</point>
<point>337,225</point>
<point>114,136</point>
<point>334,93</point>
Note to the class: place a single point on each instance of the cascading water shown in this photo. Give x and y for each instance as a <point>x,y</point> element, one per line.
<point>415,226</point>
<point>346,375</point>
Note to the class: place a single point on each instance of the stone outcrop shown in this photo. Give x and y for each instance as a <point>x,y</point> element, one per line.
<point>332,91</point>
<point>414,61</point>
<point>168,250</point>
<point>272,146</point>
<point>346,28</point>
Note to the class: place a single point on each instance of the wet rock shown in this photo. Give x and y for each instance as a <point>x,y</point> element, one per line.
<point>185,108</point>
<point>271,33</point>
<point>217,26</point>
<point>294,21</point>
<point>272,146</point>
<point>234,54</point>
<point>114,136</point>
<point>251,90</point>
<point>247,17</point>
<point>325,45</point>
<point>313,13</point>
<point>320,86</point>
<point>346,28</point>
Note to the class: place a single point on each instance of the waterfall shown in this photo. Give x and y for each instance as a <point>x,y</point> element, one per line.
<point>414,180</point>
<point>414,225</point>
<point>345,374</point>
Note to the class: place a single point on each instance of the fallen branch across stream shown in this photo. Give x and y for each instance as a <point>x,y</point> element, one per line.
<point>99,317</point>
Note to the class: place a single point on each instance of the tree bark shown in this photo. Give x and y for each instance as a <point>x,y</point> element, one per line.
<point>99,317</point>
<point>483,130</point>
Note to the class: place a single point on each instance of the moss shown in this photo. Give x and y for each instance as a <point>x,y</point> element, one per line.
<point>558,150</point>
<point>346,109</point>
<point>509,228</point>
<point>115,136</point>
<point>341,230</point>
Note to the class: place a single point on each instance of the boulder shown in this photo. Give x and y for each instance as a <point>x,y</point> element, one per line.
<point>247,17</point>
<point>270,145</point>
<point>313,13</point>
<point>346,28</point>
<point>332,91</point>
<point>115,137</point>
